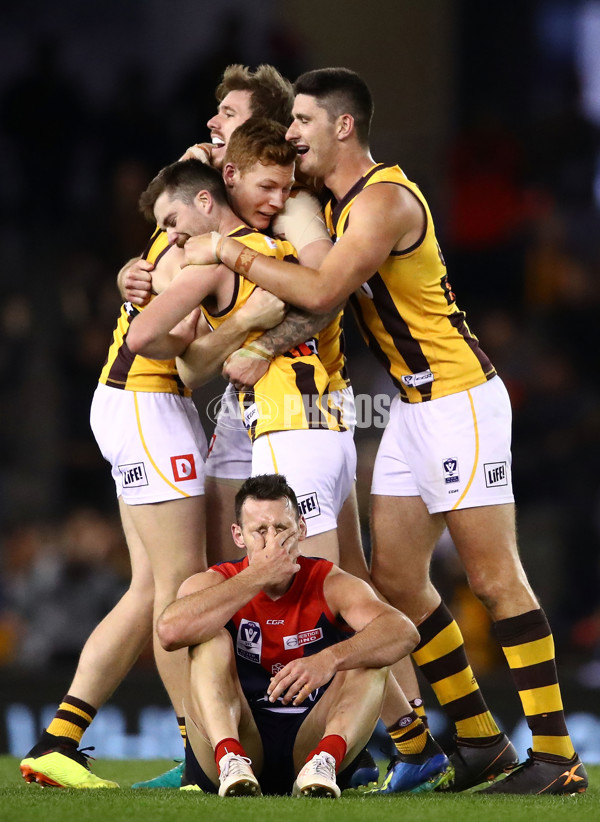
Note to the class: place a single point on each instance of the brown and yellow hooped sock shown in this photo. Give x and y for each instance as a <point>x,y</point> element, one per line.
<point>72,719</point>
<point>409,734</point>
<point>442,659</point>
<point>529,650</point>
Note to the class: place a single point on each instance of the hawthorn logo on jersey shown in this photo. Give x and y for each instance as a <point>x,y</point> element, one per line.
<point>451,474</point>
<point>495,474</point>
<point>308,505</point>
<point>249,640</point>
<point>366,290</point>
<point>184,467</point>
<point>303,638</point>
<point>134,475</point>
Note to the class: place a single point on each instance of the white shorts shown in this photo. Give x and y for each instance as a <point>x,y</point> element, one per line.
<point>318,464</point>
<point>230,449</point>
<point>454,452</point>
<point>154,442</point>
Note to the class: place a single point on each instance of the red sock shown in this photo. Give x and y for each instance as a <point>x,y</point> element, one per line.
<point>228,745</point>
<point>332,744</point>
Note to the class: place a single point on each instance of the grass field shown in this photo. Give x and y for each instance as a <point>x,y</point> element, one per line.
<point>20,802</point>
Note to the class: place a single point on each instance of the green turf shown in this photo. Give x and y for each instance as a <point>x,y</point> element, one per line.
<point>20,802</point>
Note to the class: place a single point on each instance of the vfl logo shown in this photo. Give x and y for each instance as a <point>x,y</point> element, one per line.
<point>184,467</point>
<point>308,505</point>
<point>303,638</point>
<point>249,640</point>
<point>495,474</point>
<point>134,475</point>
<point>451,474</point>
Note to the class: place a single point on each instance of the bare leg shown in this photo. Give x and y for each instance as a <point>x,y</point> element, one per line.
<point>324,545</point>
<point>173,535</point>
<point>220,496</point>
<point>349,708</point>
<point>404,536</point>
<point>403,685</point>
<point>486,541</point>
<point>117,641</point>
<point>216,707</point>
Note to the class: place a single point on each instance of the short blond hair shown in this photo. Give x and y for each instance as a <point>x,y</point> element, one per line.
<point>272,96</point>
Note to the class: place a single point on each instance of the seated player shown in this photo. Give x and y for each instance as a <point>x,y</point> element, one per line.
<point>289,658</point>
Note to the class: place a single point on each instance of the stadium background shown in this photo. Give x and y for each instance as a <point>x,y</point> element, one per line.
<point>492,108</point>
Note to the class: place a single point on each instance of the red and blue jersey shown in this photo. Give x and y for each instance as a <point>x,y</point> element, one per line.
<point>267,633</point>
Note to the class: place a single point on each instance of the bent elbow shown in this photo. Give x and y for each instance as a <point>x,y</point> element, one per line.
<point>167,635</point>
<point>320,303</point>
<point>136,341</point>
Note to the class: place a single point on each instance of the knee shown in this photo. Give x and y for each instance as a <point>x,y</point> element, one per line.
<point>496,590</point>
<point>219,647</point>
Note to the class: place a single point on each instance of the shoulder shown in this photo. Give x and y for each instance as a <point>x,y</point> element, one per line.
<point>340,587</point>
<point>167,267</point>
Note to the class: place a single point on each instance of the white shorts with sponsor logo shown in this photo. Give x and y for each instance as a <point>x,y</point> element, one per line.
<point>454,452</point>
<point>319,465</point>
<point>230,449</point>
<point>154,442</point>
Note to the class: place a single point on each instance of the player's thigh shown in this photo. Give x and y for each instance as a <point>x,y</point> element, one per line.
<point>173,535</point>
<point>404,535</point>
<point>352,555</point>
<point>220,513</point>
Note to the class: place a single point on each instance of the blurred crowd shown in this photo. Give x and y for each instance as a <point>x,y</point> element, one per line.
<point>519,223</point>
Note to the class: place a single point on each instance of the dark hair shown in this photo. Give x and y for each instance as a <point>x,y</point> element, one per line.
<point>264,487</point>
<point>272,96</point>
<point>259,140</point>
<point>186,178</point>
<point>340,91</point>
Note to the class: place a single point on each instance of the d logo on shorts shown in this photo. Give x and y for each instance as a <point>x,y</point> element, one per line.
<point>184,467</point>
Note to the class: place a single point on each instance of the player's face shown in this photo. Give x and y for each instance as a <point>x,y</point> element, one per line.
<point>259,193</point>
<point>234,109</point>
<point>180,220</point>
<point>262,519</point>
<point>314,135</point>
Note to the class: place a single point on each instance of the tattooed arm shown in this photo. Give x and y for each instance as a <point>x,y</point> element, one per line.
<point>247,365</point>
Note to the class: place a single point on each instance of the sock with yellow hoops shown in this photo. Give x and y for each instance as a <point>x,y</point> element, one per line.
<point>442,659</point>
<point>529,649</point>
<point>72,719</point>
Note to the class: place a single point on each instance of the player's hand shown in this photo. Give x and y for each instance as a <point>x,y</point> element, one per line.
<point>244,369</point>
<point>135,282</point>
<point>274,556</point>
<point>199,151</point>
<point>299,678</point>
<point>186,329</point>
<point>199,250</point>
<point>262,310</point>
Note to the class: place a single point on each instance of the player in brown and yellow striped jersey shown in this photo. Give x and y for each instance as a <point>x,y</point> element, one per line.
<point>444,459</point>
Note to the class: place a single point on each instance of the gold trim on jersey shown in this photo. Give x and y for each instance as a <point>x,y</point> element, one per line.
<point>125,370</point>
<point>406,310</point>
<point>292,395</point>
